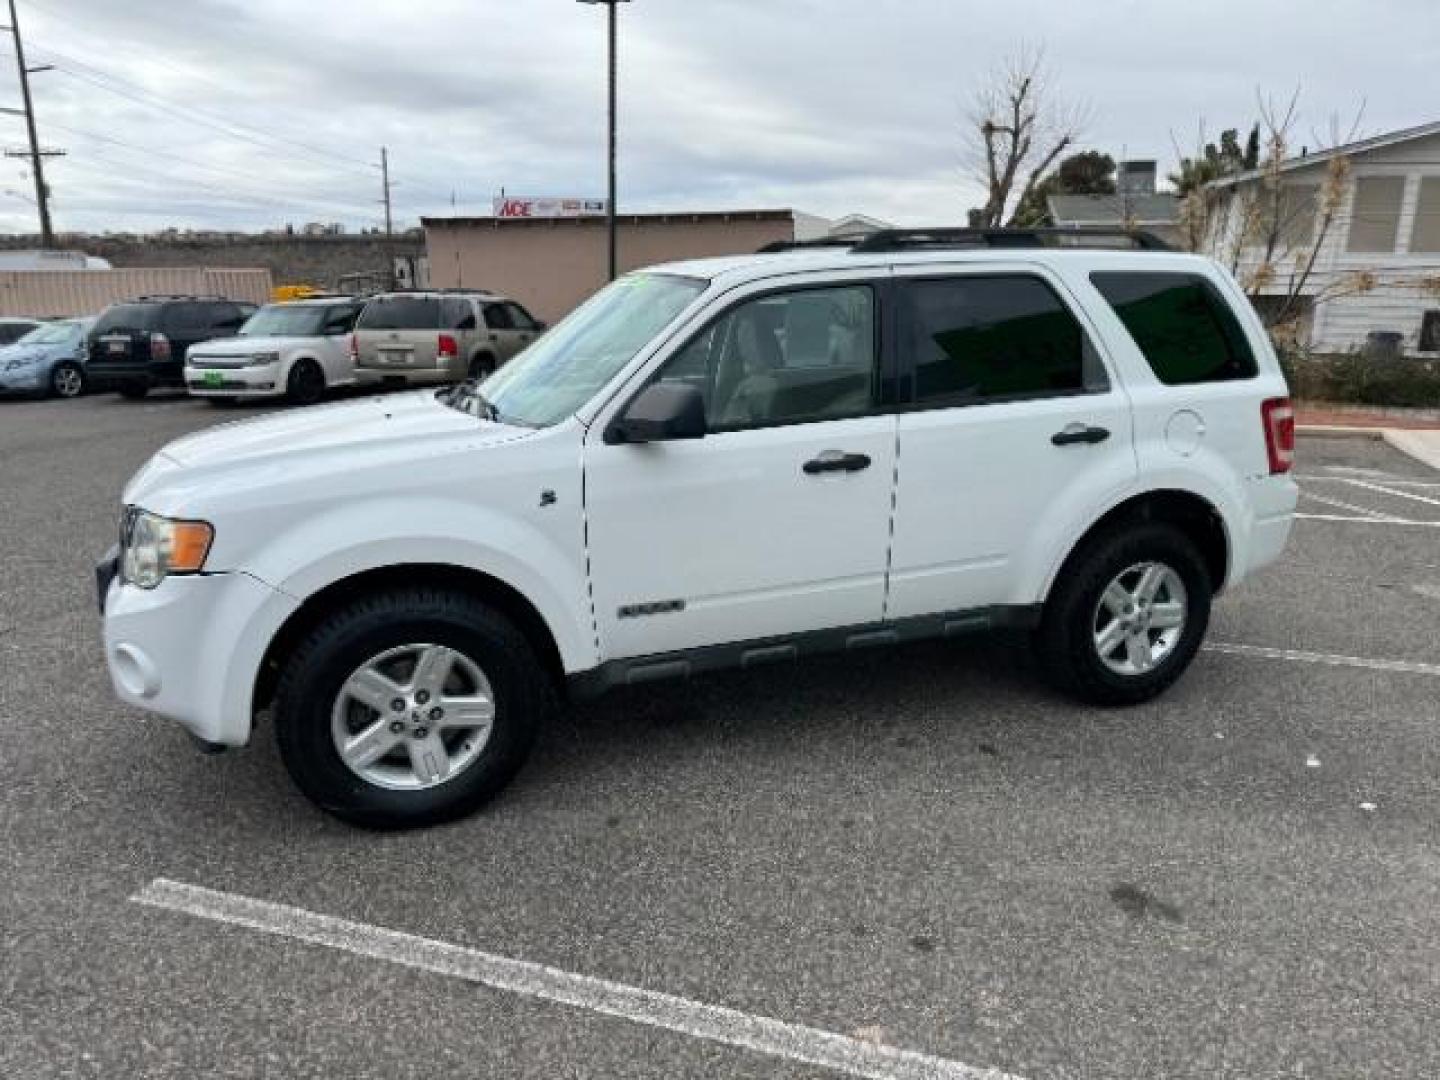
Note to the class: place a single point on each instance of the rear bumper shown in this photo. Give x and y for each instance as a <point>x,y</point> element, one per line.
<point>1273,500</point>
<point>101,372</point>
<point>189,650</point>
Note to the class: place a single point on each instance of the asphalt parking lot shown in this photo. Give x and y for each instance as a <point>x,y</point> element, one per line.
<point>924,850</point>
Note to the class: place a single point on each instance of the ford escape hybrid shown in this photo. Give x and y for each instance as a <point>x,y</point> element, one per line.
<point>715,463</point>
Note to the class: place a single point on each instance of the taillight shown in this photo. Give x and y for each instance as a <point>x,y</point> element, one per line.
<point>1278,417</point>
<point>354,346</point>
<point>449,347</point>
<point>159,347</point>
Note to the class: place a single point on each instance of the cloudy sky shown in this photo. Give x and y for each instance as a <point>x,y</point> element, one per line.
<point>252,113</point>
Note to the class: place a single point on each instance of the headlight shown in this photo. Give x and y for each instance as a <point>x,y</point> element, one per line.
<point>264,358</point>
<point>153,547</point>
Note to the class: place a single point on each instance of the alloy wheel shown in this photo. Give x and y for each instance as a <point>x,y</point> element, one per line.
<point>1140,618</point>
<point>413,717</point>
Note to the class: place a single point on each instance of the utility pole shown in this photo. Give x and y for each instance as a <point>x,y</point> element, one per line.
<point>384,184</point>
<point>36,155</point>
<point>610,199</point>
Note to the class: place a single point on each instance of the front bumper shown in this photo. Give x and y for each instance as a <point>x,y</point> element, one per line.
<point>261,380</point>
<point>190,648</point>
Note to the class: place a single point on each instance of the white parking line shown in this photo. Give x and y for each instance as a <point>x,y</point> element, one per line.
<point>1301,656</point>
<point>1341,504</point>
<point>1368,520</point>
<point>1392,490</point>
<point>1391,481</point>
<point>714,1023</point>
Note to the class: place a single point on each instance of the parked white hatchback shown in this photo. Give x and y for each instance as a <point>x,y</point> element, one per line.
<point>717,463</point>
<point>298,350</point>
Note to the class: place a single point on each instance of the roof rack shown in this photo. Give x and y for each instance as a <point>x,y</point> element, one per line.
<point>911,239</point>
<point>947,237</point>
<point>154,297</point>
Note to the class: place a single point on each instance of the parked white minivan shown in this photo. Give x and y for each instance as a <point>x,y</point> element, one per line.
<point>299,350</point>
<point>725,462</point>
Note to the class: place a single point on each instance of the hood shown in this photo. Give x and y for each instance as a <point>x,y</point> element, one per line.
<point>310,443</point>
<point>244,346</point>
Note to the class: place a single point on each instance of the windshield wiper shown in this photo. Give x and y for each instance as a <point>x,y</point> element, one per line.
<point>463,394</point>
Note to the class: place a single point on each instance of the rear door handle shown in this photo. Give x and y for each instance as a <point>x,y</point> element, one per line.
<point>836,461</point>
<point>1080,433</point>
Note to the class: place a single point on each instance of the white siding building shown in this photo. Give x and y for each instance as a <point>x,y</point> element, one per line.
<point>1387,224</point>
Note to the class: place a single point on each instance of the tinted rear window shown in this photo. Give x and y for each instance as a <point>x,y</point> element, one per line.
<point>127,317</point>
<point>400,313</point>
<point>978,338</point>
<point>1183,326</point>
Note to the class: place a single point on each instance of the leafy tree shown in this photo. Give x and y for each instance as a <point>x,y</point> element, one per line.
<point>1087,173</point>
<point>1213,161</point>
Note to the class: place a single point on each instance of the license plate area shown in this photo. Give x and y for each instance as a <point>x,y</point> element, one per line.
<point>214,380</point>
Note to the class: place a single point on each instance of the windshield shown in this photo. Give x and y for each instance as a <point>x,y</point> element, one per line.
<point>564,369</point>
<point>286,320</point>
<point>56,333</point>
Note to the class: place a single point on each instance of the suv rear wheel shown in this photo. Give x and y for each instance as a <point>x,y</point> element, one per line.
<point>409,708</point>
<point>1126,616</point>
<point>481,365</point>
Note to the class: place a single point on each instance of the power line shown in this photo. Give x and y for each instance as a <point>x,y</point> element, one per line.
<point>148,152</point>
<point>88,73</point>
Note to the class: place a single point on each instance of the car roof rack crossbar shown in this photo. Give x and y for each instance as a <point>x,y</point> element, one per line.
<point>941,238</point>
<point>775,247</point>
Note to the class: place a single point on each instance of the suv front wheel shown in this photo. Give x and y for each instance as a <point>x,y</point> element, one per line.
<point>1126,615</point>
<point>409,708</point>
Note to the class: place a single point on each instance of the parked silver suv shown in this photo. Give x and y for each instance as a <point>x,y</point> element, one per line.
<point>438,336</point>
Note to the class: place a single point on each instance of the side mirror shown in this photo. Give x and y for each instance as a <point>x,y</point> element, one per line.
<point>661,411</point>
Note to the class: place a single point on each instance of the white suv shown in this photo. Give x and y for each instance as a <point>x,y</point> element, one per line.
<point>711,464</point>
<point>298,349</point>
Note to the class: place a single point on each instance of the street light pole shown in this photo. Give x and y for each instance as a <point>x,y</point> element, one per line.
<point>610,198</point>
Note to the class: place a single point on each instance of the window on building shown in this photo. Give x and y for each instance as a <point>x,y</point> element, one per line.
<point>1375,218</point>
<point>1185,329</point>
<point>1297,216</point>
<point>974,339</point>
<point>1426,233</point>
<point>1430,332</point>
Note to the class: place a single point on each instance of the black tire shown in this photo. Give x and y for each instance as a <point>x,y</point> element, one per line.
<point>312,678</point>
<point>482,365</point>
<point>1065,642</point>
<point>306,384</point>
<point>67,380</point>
<point>134,389</point>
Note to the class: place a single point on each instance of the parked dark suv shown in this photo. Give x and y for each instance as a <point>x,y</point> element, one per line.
<point>142,343</point>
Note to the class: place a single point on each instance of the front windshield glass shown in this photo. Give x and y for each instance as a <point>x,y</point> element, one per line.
<point>286,320</point>
<point>564,369</point>
<point>56,333</point>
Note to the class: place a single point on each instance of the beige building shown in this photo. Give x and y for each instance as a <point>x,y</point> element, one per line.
<point>551,264</point>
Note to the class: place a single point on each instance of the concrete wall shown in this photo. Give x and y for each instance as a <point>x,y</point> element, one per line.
<point>551,265</point>
<point>291,260</point>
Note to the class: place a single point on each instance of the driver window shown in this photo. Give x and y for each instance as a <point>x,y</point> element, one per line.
<point>785,358</point>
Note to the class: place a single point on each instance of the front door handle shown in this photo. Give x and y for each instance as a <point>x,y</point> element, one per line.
<point>1080,433</point>
<point>836,461</point>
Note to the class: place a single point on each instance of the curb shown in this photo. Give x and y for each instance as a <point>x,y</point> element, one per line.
<point>1426,451</point>
<point>1413,444</point>
<point>1339,431</point>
